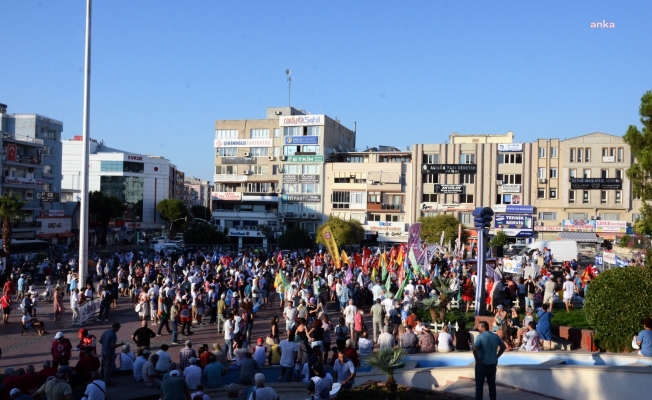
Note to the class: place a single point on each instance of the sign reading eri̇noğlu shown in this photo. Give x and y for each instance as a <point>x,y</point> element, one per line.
<point>291,198</point>
<point>292,178</point>
<point>596,183</point>
<point>239,160</point>
<point>449,168</point>
<point>455,189</point>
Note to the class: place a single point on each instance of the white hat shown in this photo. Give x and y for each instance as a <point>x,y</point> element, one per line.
<point>59,335</point>
<point>174,372</point>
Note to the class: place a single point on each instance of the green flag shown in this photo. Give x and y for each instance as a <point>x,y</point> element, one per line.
<point>415,265</point>
<point>408,276</point>
<point>383,265</point>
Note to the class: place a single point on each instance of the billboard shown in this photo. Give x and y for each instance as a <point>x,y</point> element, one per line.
<point>301,140</point>
<point>611,226</point>
<point>510,147</point>
<point>238,160</point>
<point>243,143</point>
<point>449,189</point>
<point>597,183</point>
<point>509,188</point>
<point>301,120</point>
<point>228,196</point>
<point>449,168</point>
<point>291,178</point>
<point>299,198</point>
<point>513,221</point>
<point>513,209</point>
<point>578,225</point>
<point>305,159</point>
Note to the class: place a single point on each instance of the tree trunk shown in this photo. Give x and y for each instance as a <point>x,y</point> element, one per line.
<point>391,384</point>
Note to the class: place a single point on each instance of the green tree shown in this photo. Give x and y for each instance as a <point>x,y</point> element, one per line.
<point>10,207</point>
<point>431,228</point>
<point>499,239</point>
<point>387,360</point>
<point>200,232</point>
<point>202,212</point>
<point>103,209</point>
<point>295,238</point>
<point>640,142</point>
<point>173,211</point>
<point>616,303</point>
<point>346,233</point>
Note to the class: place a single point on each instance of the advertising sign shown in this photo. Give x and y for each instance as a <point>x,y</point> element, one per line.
<point>611,226</point>
<point>512,266</point>
<point>301,120</point>
<point>449,168</point>
<point>239,160</point>
<point>578,225</point>
<point>513,221</point>
<point>598,259</point>
<point>508,188</point>
<point>597,183</point>
<point>305,159</point>
<point>384,226</point>
<point>245,233</point>
<point>301,139</point>
<point>449,189</point>
<point>243,143</point>
<point>51,213</point>
<point>23,181</point>
<point>609,257</point>
<point>301,198</point>
<point>227,196</point>
<point>229,178</point>
<point>291,178</point>
<point>88,309</point>
<point>510,147</point>
<point>548,228</point>
<point>513,209</point>
<point>48,197</point>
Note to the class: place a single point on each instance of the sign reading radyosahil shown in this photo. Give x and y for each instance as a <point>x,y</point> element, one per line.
<point>449,168</point>
<point>291,198</point>
<point>596,183</point>
<point>291,178</point>
<point>301,120</point>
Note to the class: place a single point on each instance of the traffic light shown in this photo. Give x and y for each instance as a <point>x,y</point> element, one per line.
<point>483,217</point>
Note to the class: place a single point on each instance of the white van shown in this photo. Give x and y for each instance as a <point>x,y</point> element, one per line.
<point>561,250</point>
<point>171,247</point>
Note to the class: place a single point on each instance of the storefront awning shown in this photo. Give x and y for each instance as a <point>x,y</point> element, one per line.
<point>582,237</point>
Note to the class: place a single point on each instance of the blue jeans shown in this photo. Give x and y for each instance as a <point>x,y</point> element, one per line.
<point>529,302</point>
<point>483,372</point>
<point>175,331</point>
<point>247,332</point>
<point>229,348</point>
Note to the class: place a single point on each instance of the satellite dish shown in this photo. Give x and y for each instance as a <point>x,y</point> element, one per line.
<point>288,72</point>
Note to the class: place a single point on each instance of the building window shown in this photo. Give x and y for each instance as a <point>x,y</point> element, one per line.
<point>541,173</point>
<point>291,188</point>
<point>310,188</point>
<point>111,166</point>
<point>610,217</point>
<point>580,155</point>
<point>603,196</point>
<point>572,173</point>
<point>393,201</point>
<point>354,159</point>
<point>431,158</point>
<point>292,131</point>
<point>541,193</point>
<point>619,197</point>
<point>258,133</point>
<point>587,153</point>
<point>586,173</point>
<point>467,179</point>
<point>467,159</point>
<point>373,197</point>
<point>466,219</point>
<point>373,217</point>
<point>430,178</point>
<point>572,155</point>
<point>553,193</point>
<point>547,216</point>
<point>586,197</point>
<point>259,151</point>
<point>578,216</point>
<point>227,152</point>
<point>133,167</point>
<point>259,187</point>
<point>635,217</point>
<point>259,169</point>
<point>553,173</point>
<point>290,150</point>
<point>226,169</point>
<point>510,179</point>
<point>310,169</point>
<point>47,187</point>
<point>571,196</point>
<point>129,189</point>
<point>554,152</point>
<point>429,197</point>
<point>310,149</point>
<point>226,133</point>
<point>510,158</point>
<point>466,199</point>
<point>604,173</point>
<point>277,132</point>
<point>47,169</point>
<point>621,151</point>
<point>542,152</point>
<point>394,217</point>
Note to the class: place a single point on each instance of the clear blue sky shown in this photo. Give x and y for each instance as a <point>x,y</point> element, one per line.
<point>407,72</point>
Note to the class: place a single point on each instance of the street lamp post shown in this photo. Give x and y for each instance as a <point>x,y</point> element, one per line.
<point>482,218</point>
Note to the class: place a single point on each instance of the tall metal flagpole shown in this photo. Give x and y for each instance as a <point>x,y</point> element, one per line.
<point>83,212</point>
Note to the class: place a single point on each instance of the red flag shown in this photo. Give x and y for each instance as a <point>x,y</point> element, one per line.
<point>318,260</point>
<point>279,258</point>
<point>358,260</point>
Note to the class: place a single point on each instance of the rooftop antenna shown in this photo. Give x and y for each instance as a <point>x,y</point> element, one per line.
<point>288,73</point>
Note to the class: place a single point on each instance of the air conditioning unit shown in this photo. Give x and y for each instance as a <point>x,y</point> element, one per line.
<point>281,220</point>
<point>281,228</point>
<point>246,172</point>
<point>279,190</point>
<point>283,158</point>
<point>304,215</point>
<point>593,217</point>
<point>280,168</point>
<point>246,154</point>
<point>270,190</point>
<point>542,180</point>
<point>374,182</point>
<point>271,158</point>
<point>499,182</point>
<point>312,216</point>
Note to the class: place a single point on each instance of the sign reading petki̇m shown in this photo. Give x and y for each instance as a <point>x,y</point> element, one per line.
<point>301,120</point>
<point>243,143</point>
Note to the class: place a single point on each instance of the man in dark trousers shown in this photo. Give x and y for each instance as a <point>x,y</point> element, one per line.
<point>487,349</point>
<point>142,336</point>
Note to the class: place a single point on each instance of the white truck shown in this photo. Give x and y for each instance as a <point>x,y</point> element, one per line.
<point>561,250</point>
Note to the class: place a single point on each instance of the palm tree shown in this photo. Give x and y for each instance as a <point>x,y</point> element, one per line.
<point>440,303</point>
<point>387,360</point>
<point>10,207</point>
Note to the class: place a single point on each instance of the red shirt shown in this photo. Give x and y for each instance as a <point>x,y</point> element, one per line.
<point>30,382</point>
<point>61,349</point>
<point>6,300</point>
<point>45,373</point>
<point>357,322</point>
<point>11,382</point>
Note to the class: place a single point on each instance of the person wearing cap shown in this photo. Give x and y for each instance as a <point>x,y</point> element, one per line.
<point>16,394</point>
<point>232,391</point>
<point>262,392</point>
<point>58,387</point>
<point>192,373</point>
<point>260,352</point>
<point>60,349</point>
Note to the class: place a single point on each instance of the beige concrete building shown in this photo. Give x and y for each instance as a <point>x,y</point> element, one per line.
<point>374,187</point>
<point>270,171</point>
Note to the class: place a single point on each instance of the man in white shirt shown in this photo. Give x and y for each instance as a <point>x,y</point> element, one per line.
<point>388,303</point>
<point>96,389</point>
<point>386,339</point>
<point>290,315</point>
<point>365,346</point>
<point>164,359</point>
<point>376,291</point>
<point>229,334</point>
<point>193,374</point>
<point>349,314</point>
<point>74,305</point>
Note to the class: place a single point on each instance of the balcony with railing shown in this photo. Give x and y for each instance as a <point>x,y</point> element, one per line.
<point>392,207</point>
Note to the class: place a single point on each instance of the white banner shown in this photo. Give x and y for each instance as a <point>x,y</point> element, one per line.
<point>243,143</point>
<point>88,310</point>
<point>509,147</point>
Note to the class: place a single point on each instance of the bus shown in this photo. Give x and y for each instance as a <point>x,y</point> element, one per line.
<point>26,250</point>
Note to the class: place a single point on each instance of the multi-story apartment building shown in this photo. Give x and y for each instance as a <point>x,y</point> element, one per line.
<point>270,171</point>
<point>373,187</point>
<point>31,168</point>
<point>199,193</point>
